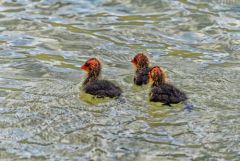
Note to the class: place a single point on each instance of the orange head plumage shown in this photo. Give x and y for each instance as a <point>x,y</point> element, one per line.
<point>140,61</point>
<point>157,76</point>
<point>93,67</point>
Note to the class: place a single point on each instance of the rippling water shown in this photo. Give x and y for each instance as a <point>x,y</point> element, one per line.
<point>43,114</point>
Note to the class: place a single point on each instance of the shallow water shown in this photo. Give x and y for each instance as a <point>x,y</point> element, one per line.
<point>44,115</point>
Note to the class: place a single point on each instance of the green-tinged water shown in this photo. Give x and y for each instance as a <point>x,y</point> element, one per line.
<point>45,116</point>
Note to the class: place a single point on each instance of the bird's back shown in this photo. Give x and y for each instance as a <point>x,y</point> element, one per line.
<point>141,76</point>
<point>167,94</point>
<point>102,88</point>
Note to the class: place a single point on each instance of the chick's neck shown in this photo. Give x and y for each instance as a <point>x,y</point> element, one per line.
<point>92,75</point>
<point>158,81</point>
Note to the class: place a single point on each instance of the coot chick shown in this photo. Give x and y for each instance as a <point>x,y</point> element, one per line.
<point>161,90</point>
<point>92,85</point>
<point>140,61</point>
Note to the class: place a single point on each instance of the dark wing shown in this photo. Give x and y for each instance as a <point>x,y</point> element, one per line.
<point>167,94</point>
<point>141,77</point>
<point>103,88</point>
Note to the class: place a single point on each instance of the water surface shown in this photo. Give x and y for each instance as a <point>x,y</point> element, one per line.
<point>44,116</point>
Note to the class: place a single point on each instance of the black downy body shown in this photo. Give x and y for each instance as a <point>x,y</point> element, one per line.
<point>167,94</point>
<point>100,88</point>
<point>141,76</point>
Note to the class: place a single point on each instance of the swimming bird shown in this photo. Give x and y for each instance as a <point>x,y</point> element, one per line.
<point>161,90</point>
<point>141,62</point>
<point>93,85</point>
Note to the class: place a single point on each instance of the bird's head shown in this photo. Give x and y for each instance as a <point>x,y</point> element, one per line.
<point>140,61</point>
<point>157,76</point>
<point>93,67</point>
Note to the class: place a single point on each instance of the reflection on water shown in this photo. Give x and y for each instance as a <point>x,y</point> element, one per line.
<point>92,100</point>
<point>45,115</point>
